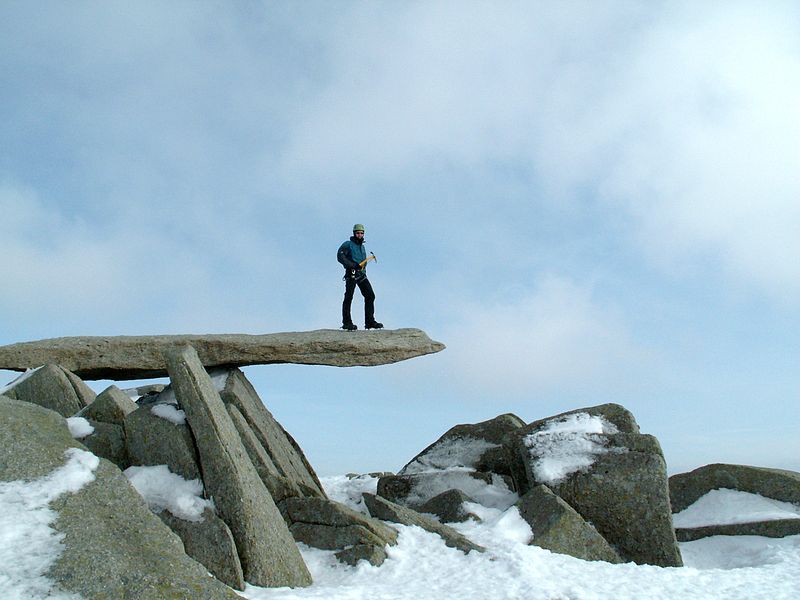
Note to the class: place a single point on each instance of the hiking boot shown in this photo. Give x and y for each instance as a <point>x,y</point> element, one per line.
<point>373,325</point>
<point>349,327</point>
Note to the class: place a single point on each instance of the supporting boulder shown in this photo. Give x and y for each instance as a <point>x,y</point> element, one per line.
<point>279,486</point>
<point>286,456</point>
<point>267,551</point>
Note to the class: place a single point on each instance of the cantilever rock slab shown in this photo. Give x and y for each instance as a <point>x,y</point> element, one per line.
<point>142,357</point>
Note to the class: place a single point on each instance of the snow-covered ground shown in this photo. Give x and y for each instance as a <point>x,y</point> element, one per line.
<point>422,567</point>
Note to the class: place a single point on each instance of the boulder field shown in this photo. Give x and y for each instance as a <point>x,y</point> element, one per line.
<point>588,482</point>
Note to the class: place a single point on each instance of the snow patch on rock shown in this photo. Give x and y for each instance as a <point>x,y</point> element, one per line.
<point>566,445</point>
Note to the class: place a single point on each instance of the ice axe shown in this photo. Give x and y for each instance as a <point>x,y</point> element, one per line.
<point>364,262</point>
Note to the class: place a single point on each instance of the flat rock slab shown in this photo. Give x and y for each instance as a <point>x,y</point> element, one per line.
<point>142,357</point>
<point>775,529</point>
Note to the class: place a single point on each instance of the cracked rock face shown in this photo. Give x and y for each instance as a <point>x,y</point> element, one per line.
<point>140,357</point>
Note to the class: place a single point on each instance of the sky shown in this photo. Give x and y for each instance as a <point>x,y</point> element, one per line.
<point>587,202</point>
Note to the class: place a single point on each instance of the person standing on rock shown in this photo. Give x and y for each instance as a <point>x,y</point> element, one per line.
<point>352,255</point>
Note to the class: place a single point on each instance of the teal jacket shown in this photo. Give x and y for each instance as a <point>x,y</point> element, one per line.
<point>351,253</point>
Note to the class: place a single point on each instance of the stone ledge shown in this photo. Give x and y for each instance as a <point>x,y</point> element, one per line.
<point>142,357</point>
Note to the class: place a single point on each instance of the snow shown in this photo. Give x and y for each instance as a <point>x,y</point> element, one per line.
<point>448,454</point>
<point>170,412</point>
<point>495,494</point>
<point>165,490</point>
<point>726,507</point>
<point>421,567</point>
<point>346,490</point>
<point>79,427</point>
<point>29,546</point>
<point>220,380</point>
<point>18,380</point>
<point>567,445</point>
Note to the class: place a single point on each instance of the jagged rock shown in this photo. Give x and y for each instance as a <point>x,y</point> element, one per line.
<point>329,525</point>
<point>279,486</point>
<point>55,388</point>
<point>383,509</point>
<point>557,527</point>
<point>267,550</point>
<point>777,528</point>
<point>415,490</point>
<point>152,440</point>
<point>139,357</point>
<point>111,406</point>
<point>210,543</point>
<point>374,555</point>
<point>478,446</point>
<point>686,488</point>
<point>621,487</point>
<point>112,545</point>
<point>108,441</point>
<point>285,454</point>
<point>449,507</point>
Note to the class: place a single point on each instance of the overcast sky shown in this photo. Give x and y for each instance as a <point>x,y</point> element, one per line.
<point>587,202</point>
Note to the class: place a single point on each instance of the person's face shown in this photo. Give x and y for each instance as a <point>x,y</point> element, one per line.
<point>358,233</point>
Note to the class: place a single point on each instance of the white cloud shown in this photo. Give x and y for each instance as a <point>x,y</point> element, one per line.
<point>714,171</point>
<point>558,336</point>
<point>684,117</point>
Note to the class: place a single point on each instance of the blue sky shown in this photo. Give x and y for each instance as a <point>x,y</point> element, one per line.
<point>588,202</point>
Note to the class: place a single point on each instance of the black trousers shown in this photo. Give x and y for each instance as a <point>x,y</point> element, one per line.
<point>365,286</point>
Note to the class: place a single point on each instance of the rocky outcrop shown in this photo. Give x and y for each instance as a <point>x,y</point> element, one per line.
<point>616,478</point>
<point>557,527</point>
<point>383,509</point>
<point>210,542</point>
<point>112,546</point>
<point>328,525</point>
<point>686,488</point>
<point>53,387</point>
<point>267,551</point>
<point>138,357</point>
